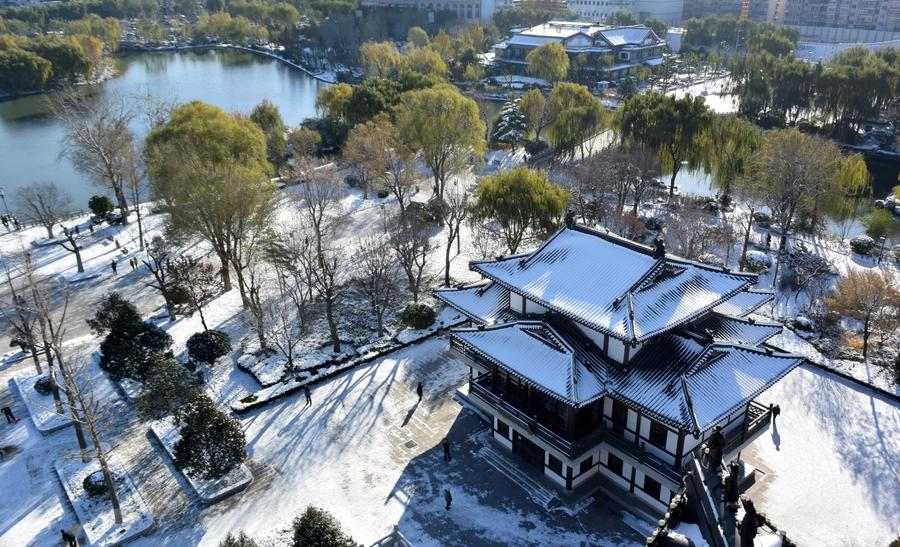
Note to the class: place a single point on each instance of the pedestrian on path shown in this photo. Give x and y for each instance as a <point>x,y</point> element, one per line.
<point>91,227</point>
<point>419,390</point>
<point>448,498</point>
<point>16,222</point>
<point>10,419</point>
<point>69,538</point>
<point>446,445</point>
<point>133,262</point>
<point>776,410</point>
<point>77,230</point>
<point>308,395</point>
<point>114,266</point>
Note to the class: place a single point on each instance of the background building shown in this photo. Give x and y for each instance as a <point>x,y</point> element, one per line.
<point>629,47</point>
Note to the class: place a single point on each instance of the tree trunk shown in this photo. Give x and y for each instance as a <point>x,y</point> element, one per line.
<point>170,308</point>
<point>746,240</point>
<point>332,324</point>
<point>107,474</point>
<point>447,261</point>
<point>49,228</point>
<point>865,338</point>
<point>202,319</point>
<point>137,209</point>
<point>29,339</point>
<point>224,272</point>
<point>78,262</point>
<point>675,169</point>
<point>123,203</point>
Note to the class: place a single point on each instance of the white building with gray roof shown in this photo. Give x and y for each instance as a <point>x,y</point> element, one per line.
<point>598,359</point>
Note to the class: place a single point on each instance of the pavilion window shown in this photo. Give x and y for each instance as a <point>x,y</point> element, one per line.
<point>652,487</point>
<point>586,464</point>
<point>555,464</point>
<point>658,434</point>
<point>614,463</point>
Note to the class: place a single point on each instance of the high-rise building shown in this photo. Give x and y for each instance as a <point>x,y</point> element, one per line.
<point>863,15</point>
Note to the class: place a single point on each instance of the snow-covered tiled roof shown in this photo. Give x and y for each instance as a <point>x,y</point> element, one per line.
<point>541,356</point>
<point>625,35</point>
<point>530,41</point>
<point>614,285</point>
<point>744,302</point>
<point>677,379</point>
<point>484,301</point>
<point>737,329</point>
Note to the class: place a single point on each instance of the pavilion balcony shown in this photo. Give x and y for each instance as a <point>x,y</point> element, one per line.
<point>530,418</point>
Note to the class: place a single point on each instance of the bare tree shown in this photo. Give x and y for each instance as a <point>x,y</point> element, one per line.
<point>198,278</point>
<point>377,273</point>
<point>318,196</point>
<point>486,241</point>
<point>411,245</point>
<point>159,257</point>
<point>280,322</point>
<point>454,211</point>
<point>44,203</point>
<point>22,315</point>
<point>72,247</point>
<point>136,184</point>
<point>641,171</point>
<point>79,387</point>
<point>98,139</point>
<point>286,254</point>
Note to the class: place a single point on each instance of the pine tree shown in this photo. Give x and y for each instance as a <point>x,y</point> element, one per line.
<point>512,124</point>
<point>319,527</point>
<point>240,540</point>
<point>212,443</point>
<point>166,388</point>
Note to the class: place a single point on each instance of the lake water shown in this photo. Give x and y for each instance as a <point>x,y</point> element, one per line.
<point>236,81</point>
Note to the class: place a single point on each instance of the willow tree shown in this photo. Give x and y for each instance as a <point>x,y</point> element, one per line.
<point>445,127</point>
<point>549,62</point>
<point>520,200</point>
<point>209,170</point>
<point>677,129</point>
<point>379,58</point>
<point>575,116</point>
<point>268,118</point>
<point>733,142</point>
<point>795,171</point>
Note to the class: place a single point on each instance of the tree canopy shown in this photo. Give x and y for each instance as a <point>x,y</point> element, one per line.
<point>520,200</point>
<point>445,127</point>
<point>549,62</point>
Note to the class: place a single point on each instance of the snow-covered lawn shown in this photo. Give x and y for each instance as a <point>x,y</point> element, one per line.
<point>832,463</point>
<point>368,452</point>
<point>210,491</point>
<point>41,408</point>
<point>95,513</point>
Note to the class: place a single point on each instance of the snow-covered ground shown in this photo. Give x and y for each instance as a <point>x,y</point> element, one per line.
<point>714,91</point>
<point>832,463</point>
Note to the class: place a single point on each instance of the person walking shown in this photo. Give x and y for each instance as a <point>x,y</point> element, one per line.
<point>77,230</point>
<point>776,410</point>
<point>308,395</point>
<point>91,227</point>
<point>448,498</point>
<point>114,266</point>
<point>446,444</point>
<point>69,538</point>
<point>133,262</point>
<point>10,419</point>
<point>16,222</point>
<point>419,391</point>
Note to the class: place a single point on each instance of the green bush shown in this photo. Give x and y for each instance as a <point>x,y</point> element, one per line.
<point>208,346</point>
<point>212,443</point>
<point>319,527</point>
<point>94,484</point>
<point>100,205</point>
<point>878,223</point>
<point>417,315</point>
<point>43,385</point>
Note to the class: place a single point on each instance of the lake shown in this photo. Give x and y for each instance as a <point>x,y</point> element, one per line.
<point>234,80</point>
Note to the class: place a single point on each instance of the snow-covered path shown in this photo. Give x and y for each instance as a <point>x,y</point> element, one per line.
<point>832,463</point>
